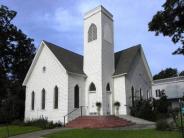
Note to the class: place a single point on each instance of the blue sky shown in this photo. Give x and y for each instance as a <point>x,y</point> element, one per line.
<point>61,22</point>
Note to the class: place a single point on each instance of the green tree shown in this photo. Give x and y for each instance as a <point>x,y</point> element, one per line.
<point>16,54</point>
<point>167,73</point>
<point>181,73</point>
<point>161,106</point>
<point>170,22</point>
<point>143,109</point>
<point>151,109</point>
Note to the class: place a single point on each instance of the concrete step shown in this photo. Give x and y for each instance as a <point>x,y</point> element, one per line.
<point>98,122</point>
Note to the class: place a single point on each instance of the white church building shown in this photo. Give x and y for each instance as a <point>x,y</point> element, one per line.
<point>60,81</point>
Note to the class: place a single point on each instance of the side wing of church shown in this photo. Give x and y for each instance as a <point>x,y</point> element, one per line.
<point>60,81</point>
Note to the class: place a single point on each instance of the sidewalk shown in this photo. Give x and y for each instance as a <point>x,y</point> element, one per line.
<point>38,134</point>
<point>136,120</point>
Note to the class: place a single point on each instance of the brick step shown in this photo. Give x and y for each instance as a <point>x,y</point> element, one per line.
<point>98,122</point>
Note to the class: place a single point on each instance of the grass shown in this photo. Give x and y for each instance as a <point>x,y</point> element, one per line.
<point>92,133</point>
<point>178,121</point>
<point>15,130</point>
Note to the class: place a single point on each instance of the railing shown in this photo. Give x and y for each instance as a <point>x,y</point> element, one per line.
<point>76,109</point>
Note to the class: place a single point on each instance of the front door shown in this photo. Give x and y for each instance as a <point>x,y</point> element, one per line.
<point>92,103</point>
<point>108,103</point>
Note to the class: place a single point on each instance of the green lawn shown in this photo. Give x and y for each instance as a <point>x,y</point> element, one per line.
<point>92,133</point>
<point>14,130</point>
<point>178,121</point>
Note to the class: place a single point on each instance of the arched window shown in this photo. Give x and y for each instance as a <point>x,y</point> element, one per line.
<point>76,96</point>
<point>108,87</point>
<point>32,100</point>
<point>140,93</point>
<point>92,87</point>
<point>148,94</point>
<point>133,96</point>
<point>55,97</point>
<point>92,33</point>
<point>43,98</point>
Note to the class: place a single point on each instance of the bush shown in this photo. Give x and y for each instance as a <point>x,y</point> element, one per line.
<point>163,125</point>
<point>98,104</point>
<point>151,109</point>
<point>17,122</point>
<point>43,123</point>
<point>174,112</point>
<point>143,109</point>
<point>117,104</point>
<point>161,106</point>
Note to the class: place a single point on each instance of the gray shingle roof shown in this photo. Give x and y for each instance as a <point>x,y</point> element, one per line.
<point>124,59</point>
<point>73,62</point>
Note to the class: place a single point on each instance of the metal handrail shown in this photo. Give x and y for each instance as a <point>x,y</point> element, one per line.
<point>72,112</point>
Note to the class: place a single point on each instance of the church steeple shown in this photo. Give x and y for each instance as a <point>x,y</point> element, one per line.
<point>98,37</point>
<point>99,50</point>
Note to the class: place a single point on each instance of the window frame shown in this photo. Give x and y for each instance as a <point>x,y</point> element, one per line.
<point>43,99</point>
<point>92,88</point>
<point>32,100</point>
<point>92,33</point>
<point>158,93</point>
<point>76,96</point>
<point>140,94</point>
<point>133,95</point>
<point>148,94</point>
<point>108,87</point>
<point>56,97</point>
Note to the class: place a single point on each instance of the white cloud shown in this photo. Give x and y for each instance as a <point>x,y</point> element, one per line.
<point>66,20</point>
<point>87,5</point>
<point>63,20</point>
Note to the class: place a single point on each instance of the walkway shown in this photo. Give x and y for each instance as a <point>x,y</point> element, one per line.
<point>139,124</point>
<point>132,127</point>
<point>38,134</point>
<point>137,120</point>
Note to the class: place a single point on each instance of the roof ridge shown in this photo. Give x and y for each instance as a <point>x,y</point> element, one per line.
<point>169,78</point>
<point>71,61</point>
<point>138,45</point>
<point>52,44</point>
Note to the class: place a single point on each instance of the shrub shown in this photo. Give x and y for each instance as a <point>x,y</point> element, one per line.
<point>42,123</point>
<point>117,104</point>
<point>174,112</point>
<point>161,106</point>
<point>98,104</point>
<point>143,109</point>
<point>151,109</point>
<point>163,125</point>
<point>17,122</point>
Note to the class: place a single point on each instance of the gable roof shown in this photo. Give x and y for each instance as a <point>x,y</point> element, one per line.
<point>124,59</point>
<point>71,61</point>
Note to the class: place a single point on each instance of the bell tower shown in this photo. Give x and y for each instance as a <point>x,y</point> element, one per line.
<point>99,58</point>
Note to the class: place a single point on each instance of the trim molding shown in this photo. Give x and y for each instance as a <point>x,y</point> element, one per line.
<point>119,75</point>
<point>76,74</point>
